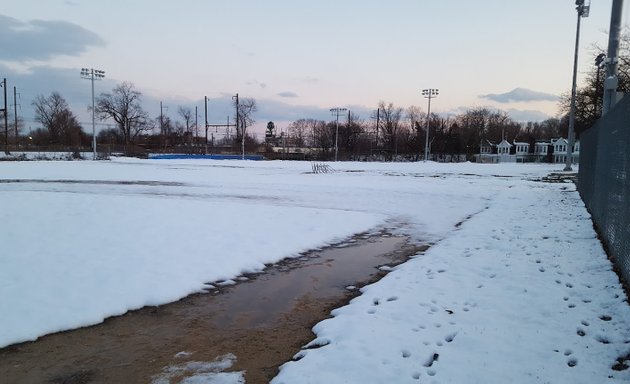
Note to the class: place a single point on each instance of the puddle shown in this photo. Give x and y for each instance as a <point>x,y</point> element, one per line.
<point>263,321</point>
<point>96,182</point>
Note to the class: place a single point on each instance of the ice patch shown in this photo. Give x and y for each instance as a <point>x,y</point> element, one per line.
<point>201,372</point>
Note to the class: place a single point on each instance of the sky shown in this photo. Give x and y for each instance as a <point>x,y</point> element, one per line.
<point>299,58</point>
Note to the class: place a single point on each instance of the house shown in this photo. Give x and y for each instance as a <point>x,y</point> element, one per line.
<point>560,152</point>
<point>521,151</point>
<point>485,148</point>
<point>542,151</point>
<point>553,151</point>
<point>504,148</point>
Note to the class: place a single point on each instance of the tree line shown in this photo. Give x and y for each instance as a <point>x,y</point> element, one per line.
<point>391,132</point>
<point>396,133</point>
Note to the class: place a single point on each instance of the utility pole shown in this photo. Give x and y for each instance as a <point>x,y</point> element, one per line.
<point>378,121</point>
<point>17,138</point>
<point>228,127</point>
<point>205,104</point>
<point>6,122</point>
<point>196,127</point>
<point>242,128</point>
<point>162,128</point>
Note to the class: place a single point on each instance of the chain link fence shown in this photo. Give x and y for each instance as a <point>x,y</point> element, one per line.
<point>604,182</point>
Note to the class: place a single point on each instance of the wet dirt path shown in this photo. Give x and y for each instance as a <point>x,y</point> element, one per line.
<point>263,320</point>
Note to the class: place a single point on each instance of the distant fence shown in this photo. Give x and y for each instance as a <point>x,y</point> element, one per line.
<point>604,181</point>
<point>158,156</point>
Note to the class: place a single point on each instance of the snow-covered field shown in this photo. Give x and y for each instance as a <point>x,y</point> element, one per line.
<point>516,288</point>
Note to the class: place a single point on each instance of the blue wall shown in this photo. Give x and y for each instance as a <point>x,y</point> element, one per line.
<point>209,157</point>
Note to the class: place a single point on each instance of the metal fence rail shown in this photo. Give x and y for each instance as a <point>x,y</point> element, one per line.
<point>604,181</point>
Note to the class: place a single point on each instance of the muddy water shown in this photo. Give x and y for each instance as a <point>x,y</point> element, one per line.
<point>263,320</point>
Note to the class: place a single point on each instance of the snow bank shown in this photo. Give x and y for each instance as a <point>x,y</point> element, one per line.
<point>520,293</point>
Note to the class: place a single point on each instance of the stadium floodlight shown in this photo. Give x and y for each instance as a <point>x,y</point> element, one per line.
<point>428,93</point>
<point>583,9</point>
<point>93,74</point>
<point>336,111</point>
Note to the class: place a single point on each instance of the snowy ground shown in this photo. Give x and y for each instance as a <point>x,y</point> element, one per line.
<point>516,288</point>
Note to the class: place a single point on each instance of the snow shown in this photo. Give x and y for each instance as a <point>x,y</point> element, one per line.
<point>199,372</point>
<point>502,299</point>
<point>515,288</point>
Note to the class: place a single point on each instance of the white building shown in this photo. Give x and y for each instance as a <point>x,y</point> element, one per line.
<point>560,147</point>
<point>541,151</point>
<point>554,151</point>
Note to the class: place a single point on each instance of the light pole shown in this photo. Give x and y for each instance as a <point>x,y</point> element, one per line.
<point>428,93</point>
<point>336,111</point>
<point>235,97</point>
<point>92,74</point>
<point>612,61</point>
<point>3,84</point>
<point>582,11</point>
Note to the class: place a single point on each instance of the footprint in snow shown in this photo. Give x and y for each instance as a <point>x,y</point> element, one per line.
<point>432,359</point>
<point>405,353</point>
<point>572,362</point>
<point>602,339</point>
<point>393,298</point>
<point>450,337</point>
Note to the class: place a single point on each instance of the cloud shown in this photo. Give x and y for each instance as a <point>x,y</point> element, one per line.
<point>288,94</point>
<point>519,95</point>
<point>258,83</point>
<point>310,80</point>
<point>527,115</point>
<point>42,40</point>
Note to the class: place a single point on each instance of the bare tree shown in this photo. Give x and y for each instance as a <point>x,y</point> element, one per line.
<point>246,109</point>
<point>55,116</point>
<point>300,130</point>
<point>390,123</point>
<point>188,120</point>
<point>123,105</point>
<point>416,130</point>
